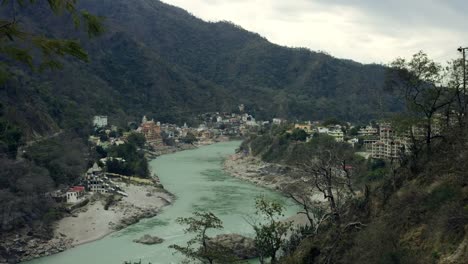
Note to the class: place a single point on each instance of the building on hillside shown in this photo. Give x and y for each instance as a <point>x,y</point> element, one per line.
<point>278,121</point>
<point>368,144</point>
<point>388,149</point>
<point>353,141</point>
<point>151,130</point>
<point>338,135</point>
<point>75,194</point>
<point>94,170</point>
<point>390,145</point>
<point>307,127</point>
<point>368,131</point>
<point>100,121</point>
<point>323,130</point>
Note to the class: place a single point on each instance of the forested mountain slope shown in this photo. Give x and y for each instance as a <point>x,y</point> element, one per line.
<point>159,60</point>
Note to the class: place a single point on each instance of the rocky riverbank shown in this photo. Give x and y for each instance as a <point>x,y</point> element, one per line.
<point>284,179</point>
<point>88,223</point>
<point>252,169</point>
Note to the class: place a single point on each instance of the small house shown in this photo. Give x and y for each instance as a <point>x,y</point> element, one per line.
<point>75,194</point>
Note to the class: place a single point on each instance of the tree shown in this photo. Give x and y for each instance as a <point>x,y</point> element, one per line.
<point>456,82</point>
<point>270,233</point>
<point>200,247</point>
<point>189,138</point>
<point>420,81</point>
<point>136,139</point>
<point>330,168</point>
<point>19,45</point>
<point>299,135</point>
<point>314,210</point>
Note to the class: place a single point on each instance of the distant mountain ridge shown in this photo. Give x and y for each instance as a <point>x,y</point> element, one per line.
<point>159,60</point>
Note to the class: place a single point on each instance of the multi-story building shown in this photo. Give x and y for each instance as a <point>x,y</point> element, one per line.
<point>337,134</point>
<point>390,145</point>
<point>151,130</point>
<point>368,131</point>
<point>307,127</point>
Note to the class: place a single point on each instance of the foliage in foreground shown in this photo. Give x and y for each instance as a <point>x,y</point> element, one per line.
<point>271,230</point>
<point>200,248</point>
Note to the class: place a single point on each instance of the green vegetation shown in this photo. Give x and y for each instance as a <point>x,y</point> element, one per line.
<point>18,44</point>
<point>64,156</point>
<point>29,121</point>
<point>206,72</point>
<point>22,188</point>
<point>136,139</point>
<point>270,236</point>
<point>10,136</point>
<point>134,162</point>
<point>200,248</point>
<point>406,210</point>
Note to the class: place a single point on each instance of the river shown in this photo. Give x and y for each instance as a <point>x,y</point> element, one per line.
<point>197,179</point>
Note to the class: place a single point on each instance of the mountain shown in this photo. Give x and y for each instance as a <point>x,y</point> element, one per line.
<point>159,60</point>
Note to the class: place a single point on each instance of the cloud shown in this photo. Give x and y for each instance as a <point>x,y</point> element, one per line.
<point>363,30</point>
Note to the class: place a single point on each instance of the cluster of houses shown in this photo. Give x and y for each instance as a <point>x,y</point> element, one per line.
<point>212,126</point>
<point>95,180</point>
<point>335,131</point>
<point>379,141</point>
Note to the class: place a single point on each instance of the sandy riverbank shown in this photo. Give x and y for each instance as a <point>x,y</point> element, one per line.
<point>92,222</point>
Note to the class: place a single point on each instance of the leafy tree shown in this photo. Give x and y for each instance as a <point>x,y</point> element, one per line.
<point>332,121</point>
<point>63,156</point>
<point>19,45</point>
<point>299,135</point>
<point>200,247</point>
<point>10,137</point>
<point>270,233</point>
<point>135,162</point>
<point>420,82</point>
<point>354,131</point>
<point>137,139</point>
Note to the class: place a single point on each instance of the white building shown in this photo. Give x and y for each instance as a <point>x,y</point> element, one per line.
<point>75,194</point>
<point>337,134</point>
<point>100,121</point>
<point>322,130</point>
<point>353,141</point>
<point>368,131</point>
<point>278,121</point>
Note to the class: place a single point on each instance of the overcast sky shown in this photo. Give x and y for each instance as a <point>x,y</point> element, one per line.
<point>362,30</point>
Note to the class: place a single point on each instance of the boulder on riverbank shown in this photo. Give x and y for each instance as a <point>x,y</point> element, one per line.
<point>149,240</point>
<point>241,246</point>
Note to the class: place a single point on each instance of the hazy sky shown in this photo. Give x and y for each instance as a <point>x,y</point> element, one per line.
<point>363,30</point>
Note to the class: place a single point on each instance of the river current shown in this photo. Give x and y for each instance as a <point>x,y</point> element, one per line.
<point>197,179</point>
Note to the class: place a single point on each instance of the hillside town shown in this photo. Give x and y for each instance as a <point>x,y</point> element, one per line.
<point>375,141</point>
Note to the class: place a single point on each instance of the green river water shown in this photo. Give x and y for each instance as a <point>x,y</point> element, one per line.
<point>197,179</point>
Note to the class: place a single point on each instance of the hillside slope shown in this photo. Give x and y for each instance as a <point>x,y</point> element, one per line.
<point>159,60</point>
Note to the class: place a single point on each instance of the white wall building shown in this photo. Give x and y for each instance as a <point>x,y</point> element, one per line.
<point>75,194</point>
<point>100,121</point>
<point>368,131</point>
<point>337,134</point>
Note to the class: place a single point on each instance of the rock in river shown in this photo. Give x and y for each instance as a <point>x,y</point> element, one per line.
<point>241,246</point>
<point>149,240</point>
